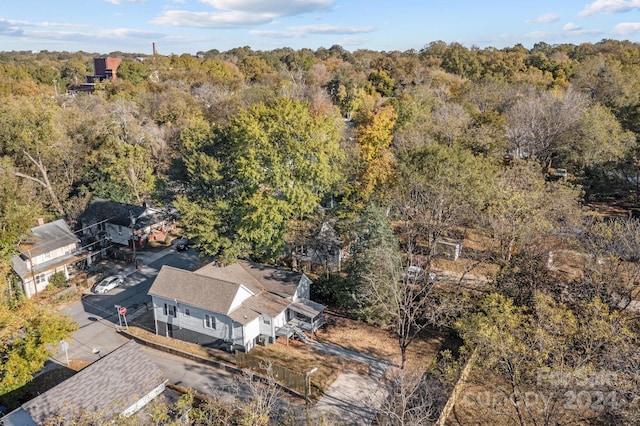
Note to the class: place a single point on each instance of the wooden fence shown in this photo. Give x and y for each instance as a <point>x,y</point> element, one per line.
<point>289,378</point>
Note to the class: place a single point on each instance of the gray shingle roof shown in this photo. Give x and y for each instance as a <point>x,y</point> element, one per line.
<point>215,287</point>
<point>267,303</point>
<point>106,387</point>
<point>273,280</point>
<point>100,210</point>
<point>48,237</point>
<point>194,289</point>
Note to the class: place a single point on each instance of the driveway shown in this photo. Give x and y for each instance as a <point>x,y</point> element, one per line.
<point>353,399</point>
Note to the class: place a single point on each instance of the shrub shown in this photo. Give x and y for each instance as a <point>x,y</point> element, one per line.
<point>58,280</point>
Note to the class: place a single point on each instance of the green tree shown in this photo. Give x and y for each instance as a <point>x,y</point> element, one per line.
<point>437,189</point>
<point>388,291</point>
<point>599,138</point>
<point>375,245</point>
<point>133,71</point>
<point>28,331</point>
<point>277,162</point>
<point>18,209</point>
<point>30,134</point>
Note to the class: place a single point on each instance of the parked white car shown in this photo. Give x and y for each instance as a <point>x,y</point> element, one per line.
<point>108,283</point>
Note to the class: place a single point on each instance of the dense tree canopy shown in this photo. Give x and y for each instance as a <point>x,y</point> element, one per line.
<point>276,161</point>
<point>393,151</point>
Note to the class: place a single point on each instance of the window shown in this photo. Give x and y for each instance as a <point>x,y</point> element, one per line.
<point>40,278</point>
<point>266,320</point>
<point>169,310</point>
<point>187,312</point>
<point>210,322</point>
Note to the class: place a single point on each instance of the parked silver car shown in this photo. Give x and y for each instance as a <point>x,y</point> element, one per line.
<point>108,283</point>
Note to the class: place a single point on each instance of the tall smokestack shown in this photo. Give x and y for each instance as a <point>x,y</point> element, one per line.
<point>154,49</point>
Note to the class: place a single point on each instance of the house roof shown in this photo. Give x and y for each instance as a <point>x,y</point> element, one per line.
<point>101,210</point>
<point>105,388</point>
<point>307,307</point>
<point>214,288</point>
<point>243,315</point>
<point>278,281</point>
<point>46,238</point>
<point>234,273</point>
<point>21,266</point>
<point>195,289</point>
<point>267,303</point>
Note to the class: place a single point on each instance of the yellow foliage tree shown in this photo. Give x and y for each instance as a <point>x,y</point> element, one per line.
<point>374,134</point>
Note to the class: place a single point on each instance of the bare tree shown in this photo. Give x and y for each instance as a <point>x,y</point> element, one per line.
<point>265,398</point>
<point>537,121</point>
<point>413,399</point>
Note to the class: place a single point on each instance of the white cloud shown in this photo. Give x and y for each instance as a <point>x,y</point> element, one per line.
<point>10,28</point>
<point>240,13</point>
<point>609,7</point>
<point>626,28</point>
<point>304,30</point>
<point>547,17</point>
<point>570,26</point>
<point>274,34</point>
<point>272,7</point>
<point>235,19</point>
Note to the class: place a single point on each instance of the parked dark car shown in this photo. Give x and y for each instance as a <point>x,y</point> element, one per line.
<point>183,245</point>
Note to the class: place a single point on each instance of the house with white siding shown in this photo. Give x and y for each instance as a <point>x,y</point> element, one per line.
<point>49,248</point>
<point>234,307</point>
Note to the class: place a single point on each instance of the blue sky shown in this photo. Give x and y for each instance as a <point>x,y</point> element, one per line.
<point>189,26</point>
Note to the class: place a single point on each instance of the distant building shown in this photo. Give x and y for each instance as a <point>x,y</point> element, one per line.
<point>103,69</point>
<point>119,222</point>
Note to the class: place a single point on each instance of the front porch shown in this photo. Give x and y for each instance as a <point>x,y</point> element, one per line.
<point>303,316</point>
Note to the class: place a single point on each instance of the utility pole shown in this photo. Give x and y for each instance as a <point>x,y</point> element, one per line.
<point>133,240</point>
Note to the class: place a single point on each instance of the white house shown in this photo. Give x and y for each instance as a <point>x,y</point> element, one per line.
<point>233,307</point>
<point>49,248</point>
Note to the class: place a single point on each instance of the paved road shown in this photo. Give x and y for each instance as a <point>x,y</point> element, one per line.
<point>201,378</point>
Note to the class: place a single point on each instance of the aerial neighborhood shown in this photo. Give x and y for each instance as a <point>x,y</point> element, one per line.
<point>441,236</point>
